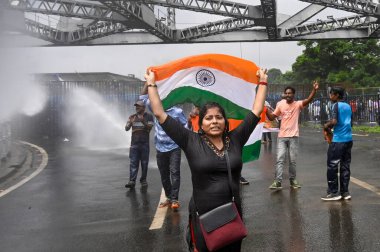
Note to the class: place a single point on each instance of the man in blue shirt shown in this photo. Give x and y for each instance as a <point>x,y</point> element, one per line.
<point>339,151</point>
<point>168,154</point>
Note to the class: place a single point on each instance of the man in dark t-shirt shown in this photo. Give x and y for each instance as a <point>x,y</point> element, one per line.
<point>141,124</point>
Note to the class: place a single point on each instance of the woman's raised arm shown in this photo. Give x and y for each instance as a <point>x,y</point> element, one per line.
<point>261,94</point>
<point>155,101</point>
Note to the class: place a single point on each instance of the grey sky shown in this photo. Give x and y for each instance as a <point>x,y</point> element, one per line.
<point>134,59</point>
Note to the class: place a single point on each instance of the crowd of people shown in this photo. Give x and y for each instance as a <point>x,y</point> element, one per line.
<point>205,139</point>
<point>365,109</point>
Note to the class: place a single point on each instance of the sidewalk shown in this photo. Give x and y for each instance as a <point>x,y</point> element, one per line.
<point>15,159</point>
<point>15,165</point>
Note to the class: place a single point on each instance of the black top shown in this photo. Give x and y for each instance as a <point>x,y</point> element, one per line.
<point>209,171</point>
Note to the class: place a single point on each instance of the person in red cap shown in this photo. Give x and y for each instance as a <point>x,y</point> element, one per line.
<point>141,124</point>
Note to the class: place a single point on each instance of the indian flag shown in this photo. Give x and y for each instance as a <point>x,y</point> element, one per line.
<point>224,79</point>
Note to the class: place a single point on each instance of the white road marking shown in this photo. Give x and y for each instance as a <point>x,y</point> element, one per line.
<point>365,135</point>
<point>365,185</point>
<point>159,217</point>
<point>43,164</point>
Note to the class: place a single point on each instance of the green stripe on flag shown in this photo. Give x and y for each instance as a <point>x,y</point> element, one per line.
<point>200,97</point>
<point>251,152</point>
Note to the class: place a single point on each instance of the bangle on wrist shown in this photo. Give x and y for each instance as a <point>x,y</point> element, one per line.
<point>152,85</point>
<point>263,83</point>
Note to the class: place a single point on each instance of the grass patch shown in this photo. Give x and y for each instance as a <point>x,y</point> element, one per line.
<point>312,125</point>
<point>366,129</point>
<point>356,128</point>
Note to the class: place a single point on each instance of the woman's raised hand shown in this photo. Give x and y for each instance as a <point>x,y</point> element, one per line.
<point>258,105</point>
<point>150,77</point>
<point>262,75</point>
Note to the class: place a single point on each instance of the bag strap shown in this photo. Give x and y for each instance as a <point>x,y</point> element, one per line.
<point>229,173</point>
<point>229,179</point>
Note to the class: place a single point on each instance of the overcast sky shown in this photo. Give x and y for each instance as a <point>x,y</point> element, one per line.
<point>134,59</point>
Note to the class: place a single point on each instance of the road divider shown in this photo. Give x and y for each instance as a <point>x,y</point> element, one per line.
<point>159,217</point>
<point>365,185</point>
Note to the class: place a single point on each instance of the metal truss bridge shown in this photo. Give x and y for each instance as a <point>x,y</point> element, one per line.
<point>68,22</point>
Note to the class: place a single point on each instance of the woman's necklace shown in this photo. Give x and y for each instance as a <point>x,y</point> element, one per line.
<point>219,153</point>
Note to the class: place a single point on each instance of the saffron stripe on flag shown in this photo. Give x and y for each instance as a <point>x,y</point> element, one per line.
<point>234,66</point>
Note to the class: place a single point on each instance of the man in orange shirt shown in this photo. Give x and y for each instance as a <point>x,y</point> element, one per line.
<point>287,141</point>
<point>267,137</point>
<point>193,119</point>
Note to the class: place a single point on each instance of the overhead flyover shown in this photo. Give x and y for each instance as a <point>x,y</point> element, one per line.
<point>68,22</point>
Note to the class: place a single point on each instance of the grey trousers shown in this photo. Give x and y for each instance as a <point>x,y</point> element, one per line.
<point>286,145</point>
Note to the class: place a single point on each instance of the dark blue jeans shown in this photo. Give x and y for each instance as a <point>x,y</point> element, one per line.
<point>338,153</point>
<point>138,153</point>
<point>169,166</point>
<point>267,135</point>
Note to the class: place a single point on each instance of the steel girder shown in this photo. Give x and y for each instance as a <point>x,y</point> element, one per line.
<point>333,24</point>
<point>66,8</point>
<point>116,17</point>
<point>117,13</point>
<point>109,21</point>
<point>44,32</point>
<point>216,7</point>
<point>302,16</point>
<point>97,30</point>
<point>374,30</point>
<point>243,16</point>
<point>78,36</point>
<point>365,7</point>
<point>270,13</point>
<point>213,28</point>
<point>144,16</point>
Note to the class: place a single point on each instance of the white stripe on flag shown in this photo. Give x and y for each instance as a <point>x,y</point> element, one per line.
<point>256,134</point>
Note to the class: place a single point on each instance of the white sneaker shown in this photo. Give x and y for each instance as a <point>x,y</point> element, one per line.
<point>331,197</point>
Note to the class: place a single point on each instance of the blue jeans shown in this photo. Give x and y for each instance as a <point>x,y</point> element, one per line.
<point>169,166</point>
<point>286,145</point>
<point>139,152</point>
<point>338,153</point>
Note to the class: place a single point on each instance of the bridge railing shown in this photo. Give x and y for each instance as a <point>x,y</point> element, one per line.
<point>123,94</point>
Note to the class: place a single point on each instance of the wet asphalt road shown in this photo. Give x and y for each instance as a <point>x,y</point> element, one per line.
<point>79,203</point>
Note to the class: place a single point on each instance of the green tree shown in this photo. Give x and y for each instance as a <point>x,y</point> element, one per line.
<point>354,62</point>
<point>286,78</point>
<point>273,75</point>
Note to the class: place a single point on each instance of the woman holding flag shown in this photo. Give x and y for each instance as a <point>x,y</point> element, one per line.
<point>205,154</point>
